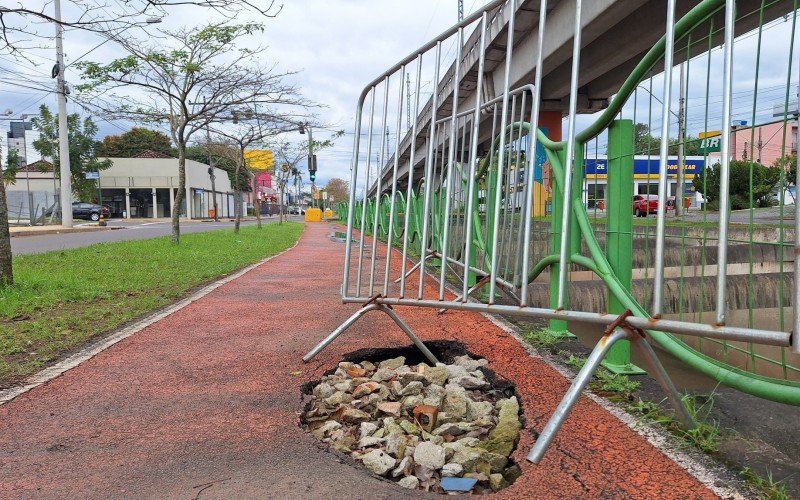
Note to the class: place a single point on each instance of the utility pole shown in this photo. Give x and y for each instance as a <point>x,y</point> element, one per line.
<point>63,137</point>
<point>312,168</point>
<point>460,10</point>
<point>680,188</point>
<point>760,145</point>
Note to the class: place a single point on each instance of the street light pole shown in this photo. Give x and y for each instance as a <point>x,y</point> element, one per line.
<point>311,163</point>
<point>63,137</point>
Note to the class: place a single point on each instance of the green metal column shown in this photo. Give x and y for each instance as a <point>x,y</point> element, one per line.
<point>619,231</point>
<point>558,328</point>
<point>472,277</point>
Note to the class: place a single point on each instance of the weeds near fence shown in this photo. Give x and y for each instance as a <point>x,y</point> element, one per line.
<point>767,487</point>
<point>542,338</point>
<point>621,386</point>
<point>706,433</point>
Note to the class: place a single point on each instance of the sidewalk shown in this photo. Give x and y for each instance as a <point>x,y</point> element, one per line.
<point>41,230</point>
<point>203,404</point>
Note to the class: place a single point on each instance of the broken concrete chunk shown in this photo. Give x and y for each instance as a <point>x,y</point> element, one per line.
<point>452,470</point>
<point>366,388</point>
<point>366,429</point>
<point>325,429</point>
<point>354,416</point>
<point>390,408</point>
<point>405,467</point>
<point>393,363</point>
<point>409,482</point>
<point>429,455</point>
<point>497,482</point>
<point>378,462</point>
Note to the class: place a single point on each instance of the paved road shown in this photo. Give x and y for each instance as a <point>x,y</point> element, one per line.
<point>136,230</point>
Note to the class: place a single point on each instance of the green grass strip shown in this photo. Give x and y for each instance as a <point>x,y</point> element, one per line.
<point>64,298</point>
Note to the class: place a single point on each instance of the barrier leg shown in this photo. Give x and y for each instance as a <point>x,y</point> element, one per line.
<point>408,273</point>
<point>483,281</point>
<point>344,326</point>
<point>658,372</point>
<point>417,342</point>
<point>571,397</point>
<point>352,319</point>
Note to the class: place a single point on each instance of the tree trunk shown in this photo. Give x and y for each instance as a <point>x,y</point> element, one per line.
<point>6,271</point>
<point>280,206</point>
<point>236,189</point>
<point>176,208</point>
<point>256,200</point>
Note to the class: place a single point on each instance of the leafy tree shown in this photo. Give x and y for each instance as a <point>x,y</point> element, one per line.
<point>82,149</point>
<point>643,142</point>
<point>646,143</point>
<point>788,163</point>
<point>134,142</point>
<point>12,167</point>
<point>764,181</point>
<point>338,188</point>
<point>691,146</point>
<point>186,79</point>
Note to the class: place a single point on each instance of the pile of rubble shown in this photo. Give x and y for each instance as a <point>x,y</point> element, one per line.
<point>437,428</point>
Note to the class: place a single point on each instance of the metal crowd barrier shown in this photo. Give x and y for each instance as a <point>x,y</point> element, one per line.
<point>473,192</point>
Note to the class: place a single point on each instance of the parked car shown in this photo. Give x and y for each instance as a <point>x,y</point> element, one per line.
<point>644,204</point>
<point>83,210</point>
<point>296,211</point>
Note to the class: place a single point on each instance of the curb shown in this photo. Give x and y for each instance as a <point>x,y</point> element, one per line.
<point>15,234</point>
<point>88,352</point>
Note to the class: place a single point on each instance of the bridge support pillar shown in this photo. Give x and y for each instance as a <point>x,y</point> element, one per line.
<point>619,232</point>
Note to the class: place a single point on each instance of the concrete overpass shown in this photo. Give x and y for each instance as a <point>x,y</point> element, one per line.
<point>616,34</point>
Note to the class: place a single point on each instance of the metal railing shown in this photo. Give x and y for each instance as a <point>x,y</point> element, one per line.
<point>478,195</point>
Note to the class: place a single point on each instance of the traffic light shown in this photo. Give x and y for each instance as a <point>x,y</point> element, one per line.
<point>312,167</point>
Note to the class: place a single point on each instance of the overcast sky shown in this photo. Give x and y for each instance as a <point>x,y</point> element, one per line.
<point>339,46</point>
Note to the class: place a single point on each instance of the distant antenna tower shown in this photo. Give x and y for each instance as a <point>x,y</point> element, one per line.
<point>408,99</point>
<point>460,10</point>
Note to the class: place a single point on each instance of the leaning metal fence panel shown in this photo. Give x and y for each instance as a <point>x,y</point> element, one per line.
<point>476,194</point>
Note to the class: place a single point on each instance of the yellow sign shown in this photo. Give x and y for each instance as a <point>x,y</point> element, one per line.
<point>316,195</point>
<point>259,159</point>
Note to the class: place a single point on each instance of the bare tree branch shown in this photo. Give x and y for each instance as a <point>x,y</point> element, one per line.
<point>194,78</point>
<point>20,21</point>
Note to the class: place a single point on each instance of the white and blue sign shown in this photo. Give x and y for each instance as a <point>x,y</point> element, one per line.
<point>643,165</point>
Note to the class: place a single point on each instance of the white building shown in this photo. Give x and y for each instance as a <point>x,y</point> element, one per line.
<point>20,137</point>
<point>145,186</point>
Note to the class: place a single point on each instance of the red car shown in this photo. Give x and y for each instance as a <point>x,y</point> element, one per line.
<point>644,204</point>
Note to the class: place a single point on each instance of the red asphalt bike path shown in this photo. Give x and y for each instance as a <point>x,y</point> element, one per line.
<point>205,402</point>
